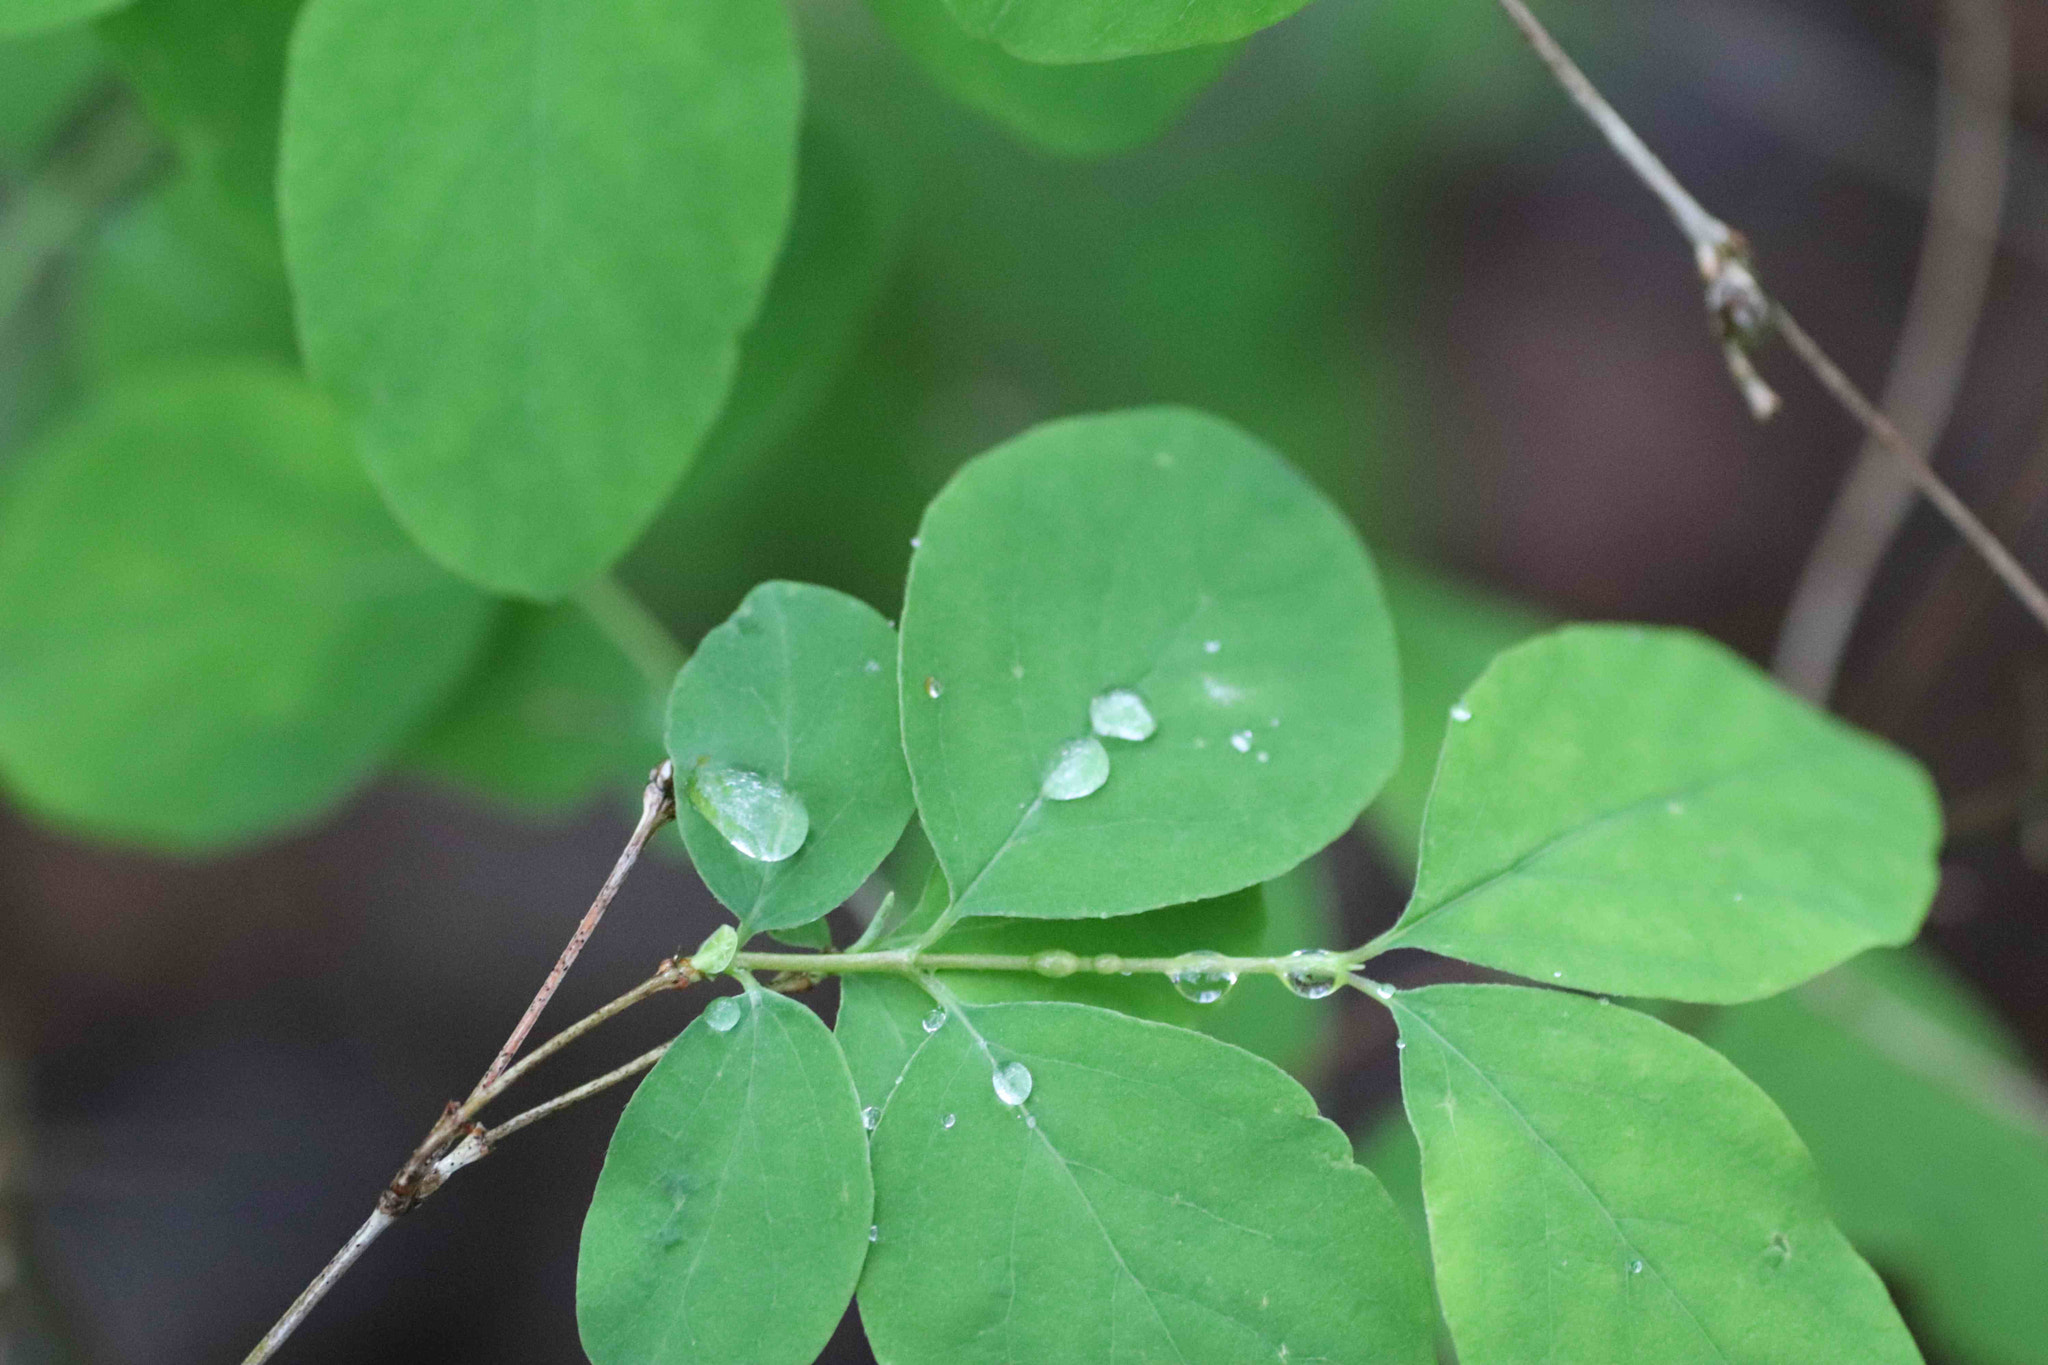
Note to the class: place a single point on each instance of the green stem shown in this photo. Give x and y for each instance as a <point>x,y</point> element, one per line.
<point>625,620</point>
<point>1051,963</point>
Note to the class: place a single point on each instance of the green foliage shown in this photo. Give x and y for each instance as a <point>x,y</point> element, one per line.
<point>42,78</point>
<point>213,629</point>
<point>1097,30</point>
<point>1168,553</point>
<point>525,243</point>
<point>1155,1196</point>
<point>30,16</point>
<point>797,687</point>
<point>732,1215</point>
<point>1603,1188</point>
<point>1641,812</point>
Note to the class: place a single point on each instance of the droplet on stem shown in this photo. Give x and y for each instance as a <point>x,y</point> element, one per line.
<point>1314,978</point>
<point>1203,978</point>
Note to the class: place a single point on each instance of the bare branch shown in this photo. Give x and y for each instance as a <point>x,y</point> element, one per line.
<point>351,1250</point>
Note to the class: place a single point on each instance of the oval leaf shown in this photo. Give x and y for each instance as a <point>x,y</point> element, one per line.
<point>1155,1196</point>
<point>525,242</point>
<point>797,688</point>
<point>1097,30</point>
<point>1169,553</point>
<point>1641,812</point>
<point>1602,1188</point>
<point>212,627</point>
<point>732,1215</point>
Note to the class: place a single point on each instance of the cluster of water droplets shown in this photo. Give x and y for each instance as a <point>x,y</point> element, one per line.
<point>1203,978</point>
<point>759,816</point>
<point>1080,767</point>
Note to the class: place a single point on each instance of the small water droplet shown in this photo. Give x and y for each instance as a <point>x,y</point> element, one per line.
<point>1055,962</point>
<point>946,1122</point>
<point>1400,1045</point>
<point>1242,741</point>
<point>1221,692</point>
<point>1264,757</point>
<point>1201,743</point>
<point>757,815</point>
<point>1203,978</point>
<point>1211,646</point>
<point>932,688</point>
<point>1013,1083</point>
<point>1079,769</point>
<point>1314,978</point>
<point>1017,672</point>
<point>1557,976</point>
<point>1382,991</point>
<point>1163,460</point>
<point>1121,713</point>
<point>721,1014</point>
<point>872,666</point>
<point>917,542</point>
<point>1108,962</point>
<point>869,1117</point>
<point>874,1232</point>
<point>1675,807</point>
<point>1738,895</point>
<point>1635,1267</point>
<point>1461,713</point>
<point>1274,723</point>
<point>1031,1120</point>
<point>934,1021</point>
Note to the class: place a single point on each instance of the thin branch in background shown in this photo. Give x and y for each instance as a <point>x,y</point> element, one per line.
<point>351,1251</point>
<point>582,1092</point>
<point>639,634</point>
<point>1745,315</point>
<point>1956,254</point>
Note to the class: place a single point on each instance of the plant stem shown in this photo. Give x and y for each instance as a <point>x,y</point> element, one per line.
<point>582,1092</point>
<point>1053,963</point>
<point>625,620</point>
<point>372,1228</point>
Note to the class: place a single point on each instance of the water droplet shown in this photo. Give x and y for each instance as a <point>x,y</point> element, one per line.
<point>1079,769</point>
<point>1017,672</point>
<point>1382,991</point>
<point>1221,692</point>
<point>1242,741</point>
<point>1055,962</point>
<point>1201,743</point>
<point>946,1122</point>
<point>1461,713</point>
<point>1738,895</point>
<point>1314,978</point>
<point>1273,723</point>
<point>1264,757</point>
<point>1557,976</point>
<point>1400,1045</point>
<point>934,1021</point>
<point>873,666</point>
<point>757,815</point>
<point>1031,1120</point>
<point>1121,714</point>
<point>721,1014</point>
<point>1675,807</point>
<point>917,542</point>
<point>932,688</point>
<point>1635,1267</point>
<point>874,1232</point>
<point>1211,646</point>
<point>1013,1083</point>
<point>869,1117</point>
<point>1163,460</point>
<point>1203,979</point>
<point>1109,962</point>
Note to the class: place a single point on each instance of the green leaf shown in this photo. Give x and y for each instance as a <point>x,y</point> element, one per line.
<point>1447,633</point>
<point>1603,1188</point>
<point>1087,110</point>
<point>28,16</point>
<point>525,243</point>
<point>211,72</point>
<point>551,715</point>
<point>1641,812</point>
<point>1097,30</point>
<point>43,79</point>
<point>732,1215</point>
<point>796,687</point>
<point>1914,1103</point>
<point>1156,1196</point>
<point>1167,552</point>
<point>213,628</point>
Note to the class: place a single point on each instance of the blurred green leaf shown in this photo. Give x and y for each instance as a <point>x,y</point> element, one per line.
<point>29,16</point>
<point>1602,1188</point>
<point>551,715</point>
<point>1096,30</point>
<point>797,687</point>
<point>1905,1088</point>
<point>213,628</point>
<point>731,1218</point>
<point>1086,110</point>
<point>1167,552</point>
<point>1149,1195</point>
<point>525,244</point>
<point>1644,813</point>
<point>43,78</point>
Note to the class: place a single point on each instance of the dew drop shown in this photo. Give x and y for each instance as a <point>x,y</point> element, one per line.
<point>1121,713</point>
<point>757,815</point>
<point>946,1122</point>
<point>934,1021</point>
<point>721,1014</point>
<point>874,1232</point>
<point>1013,1083</point>
<point>1108,962</point>
<point>1461,713</point>
<point>1382,991</point>
<point>1264,757</point>
<point>1635,1267</point>
<point>1400,1045</point>
<point>1055,962</point>
<point>1221,692</point>
<point>1313,979</point>
<point>869,1117</point>
<point>1211,646</point>
<point>1017,672</point>
<point>917,542</point>
<point>872,666</point>
<point>1675,807</point>
<point>1738,895</point>
<point>1203,979</point>
<point>1079,769</point>
<point>932,688</point>
<point>1031,1120</point>
<point>1242,741</point>
<point>1557,976</point>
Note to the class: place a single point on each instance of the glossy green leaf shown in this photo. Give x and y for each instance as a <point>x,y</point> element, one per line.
<point>1167,552</point>
<point>1641,812</point>
<point>1916,1108</point>
<point>43,79</point>
<point>1097,30</point>
<point>212,627</point>
<point>796,687</point>
<point>732,1215</point>
<point>211,72</point>
<point>1085,110</point>
<point>1603,1188</point>
<point>29,16</point>
<point>1447,633</point>
<point>525,243</point>
<point>1155,1196</point>
<point>551,715</point>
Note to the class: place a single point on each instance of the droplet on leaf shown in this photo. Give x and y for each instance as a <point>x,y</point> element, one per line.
<point>1013,1083</point>
<point>1242,741</point>
<point>1121,713</point>
<point>721,1014</point>
<point>869,1117</point>
<point>934,1021</point>
<point>1079,769</point>
<point>757,815</point>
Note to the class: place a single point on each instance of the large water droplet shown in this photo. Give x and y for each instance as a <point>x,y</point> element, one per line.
<point>721,1014</point>
<point>869,1117</point>
<point>934,1021</point>
<point>1242,741</point>
<point>1079,769</point>
<point>1013,1083</point>
<point>1121,714</point>
<point>1314,978</point>
<point>757,815</point>
<point>1203,978</point>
